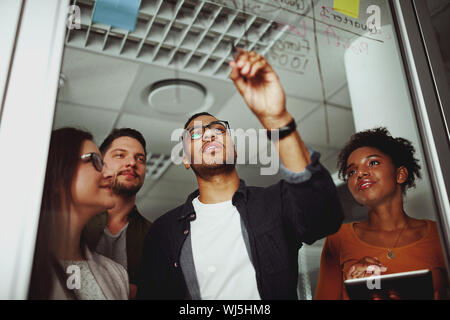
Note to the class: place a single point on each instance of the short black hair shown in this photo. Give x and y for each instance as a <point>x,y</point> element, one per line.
<point>195,116</point>
<point>122,132</point>
<point>401,152</point>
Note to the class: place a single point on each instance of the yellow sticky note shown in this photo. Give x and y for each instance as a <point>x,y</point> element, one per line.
<point>347,7</point>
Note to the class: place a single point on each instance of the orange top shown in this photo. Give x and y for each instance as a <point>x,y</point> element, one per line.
<point>344,247</point>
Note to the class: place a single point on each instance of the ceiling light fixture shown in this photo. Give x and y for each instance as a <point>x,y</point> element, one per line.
<point>177,96</point>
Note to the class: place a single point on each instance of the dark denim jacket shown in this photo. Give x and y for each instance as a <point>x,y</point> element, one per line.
<point>276,221</point>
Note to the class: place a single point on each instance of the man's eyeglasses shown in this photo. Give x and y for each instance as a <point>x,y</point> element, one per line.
<point>95,159</point>
<point>218,127</point>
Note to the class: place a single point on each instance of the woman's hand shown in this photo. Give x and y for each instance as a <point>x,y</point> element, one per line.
<point>365,267</point>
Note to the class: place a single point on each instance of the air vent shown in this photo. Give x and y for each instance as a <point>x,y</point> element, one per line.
<point>177,96</point>
<point>157,165</point>
<point>195,36</point>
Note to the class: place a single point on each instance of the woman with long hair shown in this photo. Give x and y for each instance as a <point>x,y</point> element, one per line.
<point>77,187</point>
<point>378,170</point>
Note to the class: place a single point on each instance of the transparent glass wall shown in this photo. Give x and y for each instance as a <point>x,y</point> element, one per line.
<point>339,64</point>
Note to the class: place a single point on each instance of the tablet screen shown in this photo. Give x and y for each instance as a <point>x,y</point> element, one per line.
<point>411,285</point>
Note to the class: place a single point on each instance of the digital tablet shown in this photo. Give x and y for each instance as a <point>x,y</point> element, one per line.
<point>412,285</point>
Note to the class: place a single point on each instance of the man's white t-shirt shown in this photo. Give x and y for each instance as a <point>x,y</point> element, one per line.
<point>222,264</point>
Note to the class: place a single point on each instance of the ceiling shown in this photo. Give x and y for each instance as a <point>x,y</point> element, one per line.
<point>108,72</point>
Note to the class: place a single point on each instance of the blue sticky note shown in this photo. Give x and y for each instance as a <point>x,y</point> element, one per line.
<point>117,13</point>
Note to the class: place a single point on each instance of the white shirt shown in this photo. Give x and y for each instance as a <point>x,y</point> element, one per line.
<point>222,264</point>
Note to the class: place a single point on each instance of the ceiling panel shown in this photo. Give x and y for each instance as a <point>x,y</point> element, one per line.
<point>299,108</point>
<point>329,160</point>
<point>326,153</point>
<point>341,97</point>
<point>96,80</point>
<point>313,128</point>
<point>237,113</point>
<point>97,121</point>
<point>148,184</point>
<point>302,83</point>
<point>165,189</point>
<point>341,126</point>
<point>157,132</point>
<point>179,173</point>
<point>323,150</point>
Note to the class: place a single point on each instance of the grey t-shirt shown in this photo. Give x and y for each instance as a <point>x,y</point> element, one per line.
<point>114,246</point>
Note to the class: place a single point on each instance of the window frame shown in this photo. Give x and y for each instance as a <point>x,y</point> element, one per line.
<point>25,127</point>
<point>431,102</point>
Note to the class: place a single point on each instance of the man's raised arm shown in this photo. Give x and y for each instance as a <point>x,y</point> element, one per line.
<point>261,89</point>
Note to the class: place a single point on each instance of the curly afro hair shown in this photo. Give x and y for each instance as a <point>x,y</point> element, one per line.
<point>401,152</point>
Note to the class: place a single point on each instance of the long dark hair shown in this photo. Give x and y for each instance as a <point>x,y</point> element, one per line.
<point>62,163</point>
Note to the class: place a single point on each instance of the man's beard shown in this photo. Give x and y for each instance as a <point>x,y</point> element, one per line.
<point>123,190</point>
<point>209,170</point>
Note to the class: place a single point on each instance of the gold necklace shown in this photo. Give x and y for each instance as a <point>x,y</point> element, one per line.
<point>391,254</point>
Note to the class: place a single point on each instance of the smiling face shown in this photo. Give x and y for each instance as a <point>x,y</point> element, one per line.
<point>126,158</point>
<point>91,189</point>
<point>372,177</point>
<point>214,151</point>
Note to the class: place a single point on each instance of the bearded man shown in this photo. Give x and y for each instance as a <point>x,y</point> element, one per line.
<point>119,233</point>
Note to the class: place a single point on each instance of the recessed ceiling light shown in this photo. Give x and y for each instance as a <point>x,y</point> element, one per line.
<point>176,96</point>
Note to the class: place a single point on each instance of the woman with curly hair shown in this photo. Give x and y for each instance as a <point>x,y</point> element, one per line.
<point>378,169</point>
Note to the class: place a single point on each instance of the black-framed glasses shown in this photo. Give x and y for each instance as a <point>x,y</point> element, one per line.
<point>218,127</point>
<point>96,160</point>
